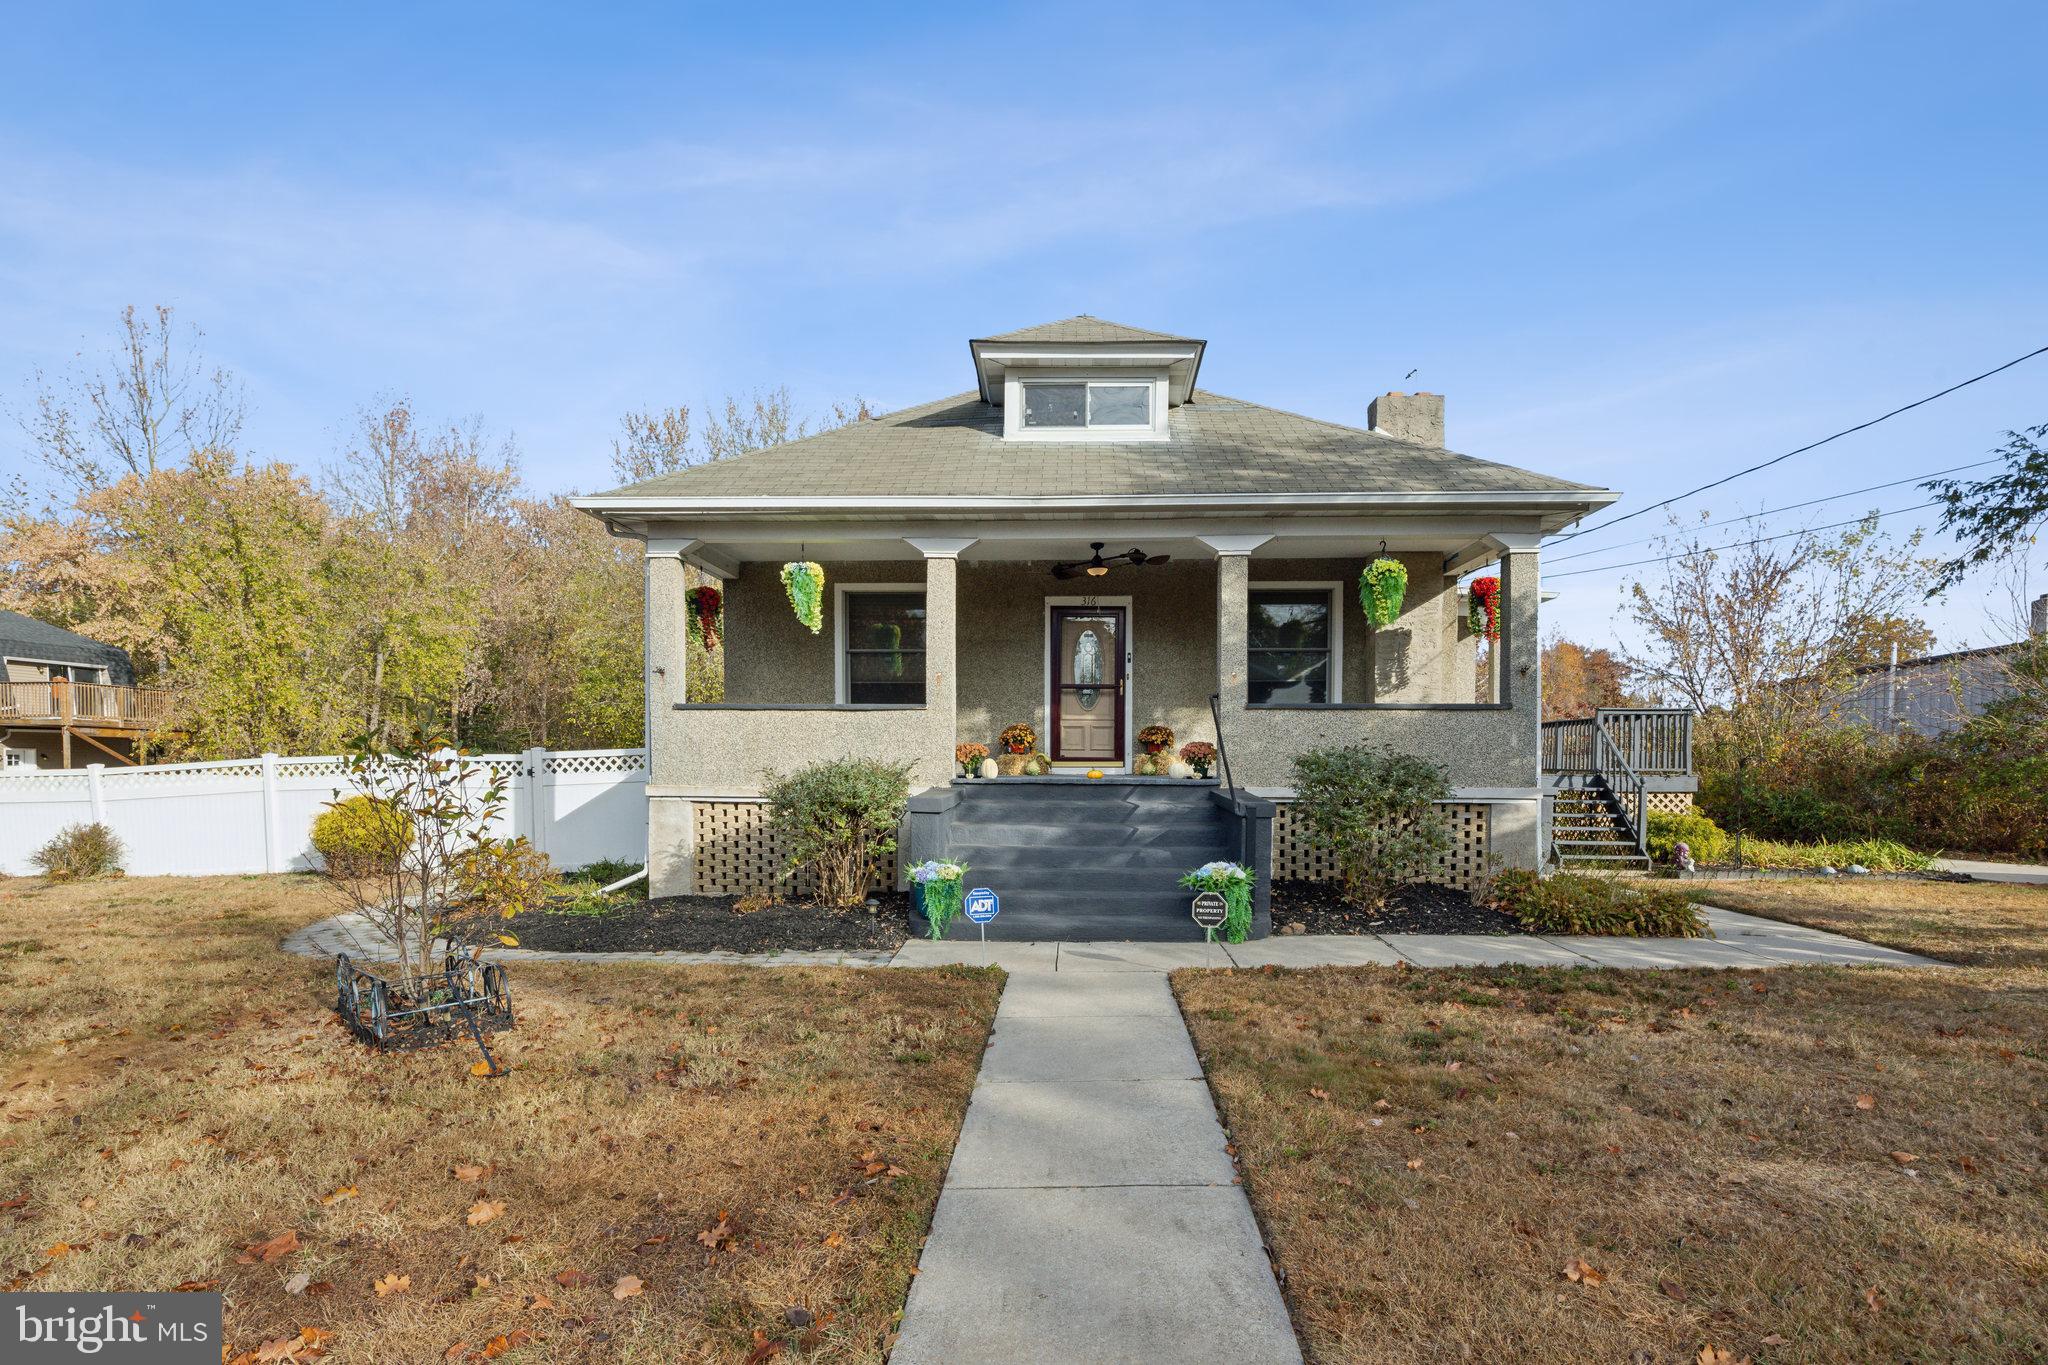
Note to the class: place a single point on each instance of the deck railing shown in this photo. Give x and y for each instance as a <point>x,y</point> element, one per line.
<point>1652,741</point>
<point>106,705</point>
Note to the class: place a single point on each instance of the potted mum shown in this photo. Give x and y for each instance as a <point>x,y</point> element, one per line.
<point>1200,755</point>
<point>969,757</point>
<point>941,889</point>
<point>1155,739</point>
<point>1018,743</point>
<point>1235,884</point>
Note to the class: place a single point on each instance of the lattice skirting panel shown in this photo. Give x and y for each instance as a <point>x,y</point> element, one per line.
<point>737,852</point>
<point>1462,869</point>
<point>1670,803</point>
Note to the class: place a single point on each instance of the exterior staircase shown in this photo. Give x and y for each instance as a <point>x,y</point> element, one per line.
<point>1591,828</point>
<point>1080,860</point>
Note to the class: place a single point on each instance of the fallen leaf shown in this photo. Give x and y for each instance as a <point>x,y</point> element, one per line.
<point>834,1240</point>
<point>480,1069</point>
<point>196,1287</point>
<point>57,1249</point>
<point>571,1279</point>
<point>456,1352</point>
<point>388,1285</point>
<point>469,1174</point>
<point>627,1287</point>
<point>345,1192</point>
<point>1317,1092</point>
<point>484,1210</point>
<point>1866,1101</point>
<point>1773,1339</point>
<point>284,1244</point>
<point>298,1283</point>
<point>1871,1297</point>
<point>1904,1158</point>
<point>1579,1272</point>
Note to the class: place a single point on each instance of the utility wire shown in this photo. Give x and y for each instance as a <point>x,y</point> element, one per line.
<point>1772,512</point>
<point>1741,544</point>
<point>1815,445</point>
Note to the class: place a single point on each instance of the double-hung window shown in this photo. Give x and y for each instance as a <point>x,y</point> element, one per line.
<point>883,644</point>
<point>1292,639</point>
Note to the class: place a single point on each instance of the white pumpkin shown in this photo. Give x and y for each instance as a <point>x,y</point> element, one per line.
<point>988,767</point>
<point>1179,769</point>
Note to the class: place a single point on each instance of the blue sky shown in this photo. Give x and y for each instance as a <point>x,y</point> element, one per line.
<point>1634,245</point>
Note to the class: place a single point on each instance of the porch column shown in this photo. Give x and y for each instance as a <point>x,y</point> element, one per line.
<point>941,645</point>
<point>1233,608</point>
<point>671,821</point>
<point>1516,827</point>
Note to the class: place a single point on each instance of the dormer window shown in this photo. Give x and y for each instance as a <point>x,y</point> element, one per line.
<point>1093,405</point>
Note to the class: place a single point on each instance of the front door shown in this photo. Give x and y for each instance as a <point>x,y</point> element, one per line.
<point>1087,658</point>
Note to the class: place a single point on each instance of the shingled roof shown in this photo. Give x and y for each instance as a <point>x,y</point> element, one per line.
<point>954,447</point>
<point>1084,328</point>
<point>24,637</point>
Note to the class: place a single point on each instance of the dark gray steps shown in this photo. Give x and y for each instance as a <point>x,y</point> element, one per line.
<point>1089,838</point>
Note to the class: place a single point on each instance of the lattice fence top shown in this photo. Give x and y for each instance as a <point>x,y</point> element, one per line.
<point>1463,867</point>
<point>598,761</point>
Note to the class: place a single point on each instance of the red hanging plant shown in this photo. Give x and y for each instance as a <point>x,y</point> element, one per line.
<point>705,604</point>
<point>1486,607</point>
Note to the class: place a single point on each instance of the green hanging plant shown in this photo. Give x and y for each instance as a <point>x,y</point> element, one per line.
<point>805,583</point>
<point>1380,590</point>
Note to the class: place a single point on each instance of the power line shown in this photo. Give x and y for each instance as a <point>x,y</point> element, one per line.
<point>1791,507</point>
<point>1741,544</point>
<point>1815,445</point>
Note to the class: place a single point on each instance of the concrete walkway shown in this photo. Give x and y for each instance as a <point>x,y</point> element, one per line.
<point>1090,1213</point>
<point>2028,874</point>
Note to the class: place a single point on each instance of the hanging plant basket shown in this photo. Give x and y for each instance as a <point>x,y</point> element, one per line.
<point>1380,590</point>
<point>706,604</point>
<point>1485,614</point>
<point>805,583</point>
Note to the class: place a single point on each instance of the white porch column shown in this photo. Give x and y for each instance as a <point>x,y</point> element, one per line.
<point>671,821</point>
<point>941,639</point>
<point>1516,827</point>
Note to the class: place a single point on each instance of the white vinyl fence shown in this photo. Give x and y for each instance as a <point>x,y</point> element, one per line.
<point>256,815</point>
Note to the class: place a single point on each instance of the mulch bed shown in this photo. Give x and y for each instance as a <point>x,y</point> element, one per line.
<point>702,924</point>
<point>1419,908</point>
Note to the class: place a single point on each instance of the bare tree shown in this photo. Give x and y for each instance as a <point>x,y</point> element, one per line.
<point>1764,633</point>
<point>154,400</point>
<point>652,444</point>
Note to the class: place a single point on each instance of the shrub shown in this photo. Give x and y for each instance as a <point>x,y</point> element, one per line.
<point>1374,811</point>
<point>1707,840</point>
<point>361,834</point>
<point>503,877</point>
<point>605,871</point>
<point>839,818</point>
<point>78,852</point>
<point>1573,903</point>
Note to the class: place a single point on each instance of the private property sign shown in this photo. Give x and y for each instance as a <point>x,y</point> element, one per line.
<point>1210,910</point>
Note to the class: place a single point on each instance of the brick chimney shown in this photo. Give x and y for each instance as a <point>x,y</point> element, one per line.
<point>1417,417</point>
<point>2039,628</point>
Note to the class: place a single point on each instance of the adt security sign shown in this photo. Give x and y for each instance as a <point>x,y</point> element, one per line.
<point>982,907</point>
<point>1210,909</point>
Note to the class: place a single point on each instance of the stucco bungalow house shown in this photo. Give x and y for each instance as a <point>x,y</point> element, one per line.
<point>1088,542</point>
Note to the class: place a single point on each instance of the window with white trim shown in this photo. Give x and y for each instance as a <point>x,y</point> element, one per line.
<point>1093,405</point>
<point>883,644</point>
<point>1291,640</point>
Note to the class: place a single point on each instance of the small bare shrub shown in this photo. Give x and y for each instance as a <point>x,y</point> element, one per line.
<point>79,852</point>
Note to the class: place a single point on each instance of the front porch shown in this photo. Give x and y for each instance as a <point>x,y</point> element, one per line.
<point>1249,640</point>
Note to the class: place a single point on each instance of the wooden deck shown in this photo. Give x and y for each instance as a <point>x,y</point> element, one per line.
<point>87,712</point>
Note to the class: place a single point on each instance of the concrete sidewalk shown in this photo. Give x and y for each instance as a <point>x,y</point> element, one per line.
<point>1739,941</point>
<point>2026,874</point>
<point>1091,1213</point>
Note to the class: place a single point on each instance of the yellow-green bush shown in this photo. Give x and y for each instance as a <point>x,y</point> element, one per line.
<point>1573,903</point>
<point>1707,840</point>
<point>361,834</point>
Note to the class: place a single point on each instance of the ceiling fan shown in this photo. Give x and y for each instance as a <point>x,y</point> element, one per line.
<point>1096,565</point>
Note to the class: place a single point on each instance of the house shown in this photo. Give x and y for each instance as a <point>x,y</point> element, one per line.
<point>1935,694</point>
<point>1089,542</point>
<point>67,700</point>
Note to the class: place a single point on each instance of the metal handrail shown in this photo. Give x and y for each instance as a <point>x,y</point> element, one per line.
<point>1610,763</point>
<point>1222,749</point>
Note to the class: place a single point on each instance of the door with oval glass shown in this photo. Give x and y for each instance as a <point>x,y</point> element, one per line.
<point>1087,653</point>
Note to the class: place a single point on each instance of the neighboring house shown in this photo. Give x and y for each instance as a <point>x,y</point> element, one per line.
<point>1935,694</point>
<point>67,700</point>
<point>958,539</point>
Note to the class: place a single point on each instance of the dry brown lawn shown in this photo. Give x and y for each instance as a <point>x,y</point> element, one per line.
<point>1536,1164</point>
<point>1983,924</point>
<point>757,1152</point>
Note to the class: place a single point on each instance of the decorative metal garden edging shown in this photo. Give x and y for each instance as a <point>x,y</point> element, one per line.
<point>418,1011</point>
